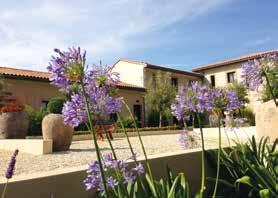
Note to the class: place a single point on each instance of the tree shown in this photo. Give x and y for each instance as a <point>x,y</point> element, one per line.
<point>160,94</point>
<point>240,90</point>
<point>273,82</point>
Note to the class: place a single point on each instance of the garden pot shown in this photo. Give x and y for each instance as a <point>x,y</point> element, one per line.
<point>14,125</point>
<point>267,120</point>
<point>54,128</point>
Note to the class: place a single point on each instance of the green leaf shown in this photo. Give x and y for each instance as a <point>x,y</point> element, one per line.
<point>264,193</point>
<point>245,180</point>
<point>173,188</point>
<point>151,185</point>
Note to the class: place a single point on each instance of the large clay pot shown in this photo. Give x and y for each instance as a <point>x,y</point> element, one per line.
<point>53,127</point>
<point>267,120</point>
<point>14,125</point>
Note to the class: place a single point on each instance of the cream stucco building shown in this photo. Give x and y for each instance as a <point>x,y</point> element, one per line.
<point>33,88</point>
<point>224,72</point>
<point>140,73</point>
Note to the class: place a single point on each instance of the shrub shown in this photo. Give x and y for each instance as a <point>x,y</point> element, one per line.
<point>35,121</point>
<point>249,170</point>
<point>249,115</point>
<point>55,105</point>
<point>153,119</point>
<point>127,122</point>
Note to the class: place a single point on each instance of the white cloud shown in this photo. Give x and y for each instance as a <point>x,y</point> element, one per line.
<point>258,42</point>
<point>29,31</point>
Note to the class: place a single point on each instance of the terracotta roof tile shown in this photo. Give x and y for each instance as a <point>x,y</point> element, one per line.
<point>234,60</point>
<point>33,75</point>
<point>24,73</point>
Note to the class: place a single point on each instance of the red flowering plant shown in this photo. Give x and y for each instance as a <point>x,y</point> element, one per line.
<point>7,102</point>
<point>10,104</point>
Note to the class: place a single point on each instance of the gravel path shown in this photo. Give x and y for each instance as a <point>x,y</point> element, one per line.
<point>83,152</point>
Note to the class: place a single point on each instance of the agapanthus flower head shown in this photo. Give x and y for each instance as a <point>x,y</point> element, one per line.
<point>254,70</point>
<point>197,98</point>
<point>189,140</point>
<point>225,100</point>
<point>67,67</point>
<point>11,167</point>
<point>116,172</point>
<point>252,74</point>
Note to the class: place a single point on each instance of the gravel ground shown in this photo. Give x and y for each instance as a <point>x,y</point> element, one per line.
<point>83,152</point>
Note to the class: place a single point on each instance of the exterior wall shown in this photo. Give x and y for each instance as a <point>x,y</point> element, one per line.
<point>133,98</point>
<point>130,72</point>
<point>68,182</point>
<point>32,92</point>
<point>220,74</point>
<point>182,79</point>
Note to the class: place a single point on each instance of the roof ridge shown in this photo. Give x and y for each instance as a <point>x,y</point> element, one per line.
<point>29,70</point>
<point>237,59</point>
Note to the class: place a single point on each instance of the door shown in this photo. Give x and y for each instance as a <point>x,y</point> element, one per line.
<point>137,111</point>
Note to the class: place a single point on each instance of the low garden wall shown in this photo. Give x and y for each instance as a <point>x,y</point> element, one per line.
<point>241,133</point>
<point>68,182</point>
<point>130,134</point>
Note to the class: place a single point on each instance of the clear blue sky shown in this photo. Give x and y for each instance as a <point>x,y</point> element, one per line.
<point>177,33</point>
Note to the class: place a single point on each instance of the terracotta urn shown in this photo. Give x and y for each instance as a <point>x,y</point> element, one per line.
<point>14,125</point>
<point>54,128</point>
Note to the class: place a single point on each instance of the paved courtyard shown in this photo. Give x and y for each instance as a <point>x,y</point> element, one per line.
<point>83,152</point>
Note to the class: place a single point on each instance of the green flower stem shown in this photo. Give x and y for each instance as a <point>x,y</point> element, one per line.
<point>270,89</point>
<point>140,139</point>
<point>203,158</point>
<point>107,137</point>
<point>218,157</point>
<point>5,188</point>
<point>131,149</point>
<point>127,137</point>
<point>93,133</point>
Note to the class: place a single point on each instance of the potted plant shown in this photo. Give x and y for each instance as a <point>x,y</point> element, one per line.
<point>14,120</point>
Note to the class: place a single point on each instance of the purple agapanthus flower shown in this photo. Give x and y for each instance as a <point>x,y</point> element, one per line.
<point>189,140</point>
<point>98,84</point>
<point>139,169</point>
<point>116,172</point>
<point>11,167</point>
<point>225,100</point>
<point>74,110</point>
<point>197,98</point>
<point>233,102</point>
<point>100,104</point>
<point>66,67</point>
<point>252,74</point>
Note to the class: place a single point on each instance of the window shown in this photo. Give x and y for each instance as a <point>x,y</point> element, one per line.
<point>44,104</point>
<point>113,117</point>
<point>190,82</point>
<point>174,82</point>
<point>231,77</point>
<point>212,80</point>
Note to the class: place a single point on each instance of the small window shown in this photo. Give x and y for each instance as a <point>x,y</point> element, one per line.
<point>231,77</point>
<point>174,82</point>
<point>212,80</point>
<point>113,117</point>
<point>44,104</point>
<point>190,82</point>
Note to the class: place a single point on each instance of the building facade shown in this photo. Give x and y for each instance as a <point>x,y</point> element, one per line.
<point>222,73</point>
<point>141,73</point>
<point>33,88</point>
